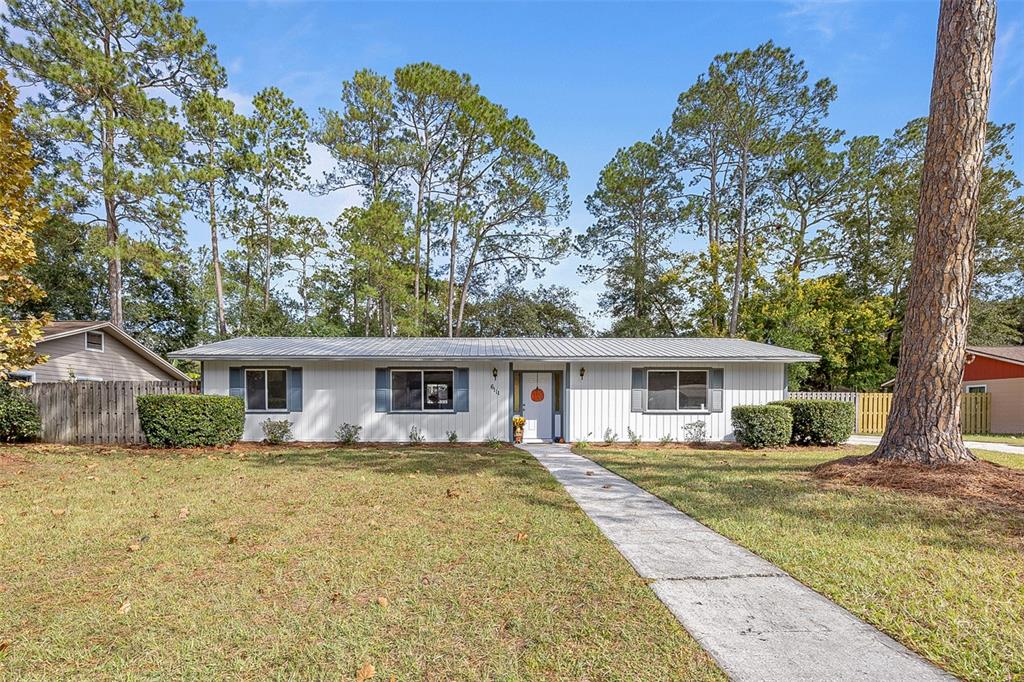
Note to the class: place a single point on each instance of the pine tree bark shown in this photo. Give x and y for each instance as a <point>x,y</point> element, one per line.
<point>924,425</point>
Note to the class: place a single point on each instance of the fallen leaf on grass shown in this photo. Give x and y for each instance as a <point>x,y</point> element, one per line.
<point>134,547</point>
<point>383,602</point>
<point>155,514</point>
<point>5,645</point>
<point>449,493</point>
<point>183,514</point>
<point>521,537</point>
<point>58,512</point>
<point>365,672</point>
<point>335,596</point>
<point>232,540</point>
<point>125,607</point>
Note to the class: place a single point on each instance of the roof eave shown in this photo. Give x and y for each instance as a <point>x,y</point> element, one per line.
<point>201,357</point>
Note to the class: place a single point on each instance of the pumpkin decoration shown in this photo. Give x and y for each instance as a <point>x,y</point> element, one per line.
<point>537,394</point>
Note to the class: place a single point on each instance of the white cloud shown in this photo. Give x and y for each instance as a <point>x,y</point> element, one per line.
<point>1008,64</point>
<point>824,17</point>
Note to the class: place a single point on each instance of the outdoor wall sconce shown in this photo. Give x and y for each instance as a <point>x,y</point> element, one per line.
<point>583,370</point>
<point>494,372</point>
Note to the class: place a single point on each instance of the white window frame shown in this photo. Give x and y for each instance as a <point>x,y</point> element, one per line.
<point>103,342</point>
<point>266,389</point>
<point>983,387</point>
<point>678,410</point>
<point>423,389</point>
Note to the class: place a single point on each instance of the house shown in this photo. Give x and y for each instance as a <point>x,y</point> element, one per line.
<point>571,388</point>
<point>998,371</point>
<point>95,351</point>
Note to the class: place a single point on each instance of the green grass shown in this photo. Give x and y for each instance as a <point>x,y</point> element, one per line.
<point>1009,439</point>
<point>308,563</point>
<point>945,579</point>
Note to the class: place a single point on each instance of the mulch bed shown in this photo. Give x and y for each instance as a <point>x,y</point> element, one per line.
<point>980,484</point>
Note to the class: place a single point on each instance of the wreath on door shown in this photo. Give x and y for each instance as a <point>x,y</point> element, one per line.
<point>537,394</point>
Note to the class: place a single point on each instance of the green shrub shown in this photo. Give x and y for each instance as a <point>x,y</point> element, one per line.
<point>277,431</point>
<point>186,420</point>
<point>761,426</point>
<point>19,417</point>
<point>820,422</point>
<point>346,434</point>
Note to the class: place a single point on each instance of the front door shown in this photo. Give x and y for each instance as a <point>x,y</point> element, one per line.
<point>537,409</point>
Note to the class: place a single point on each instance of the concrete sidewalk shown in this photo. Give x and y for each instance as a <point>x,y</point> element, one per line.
<point>754,619</point>
<point>971,444</point>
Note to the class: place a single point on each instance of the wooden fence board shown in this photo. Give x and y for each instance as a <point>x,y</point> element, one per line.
<point>96,411</point>
<point>873,409</point>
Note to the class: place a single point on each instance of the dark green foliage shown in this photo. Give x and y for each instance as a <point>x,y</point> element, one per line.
<point>760,426</point>
<point>19,418</point>
<point>277,431</point>
<point>820,422</point>
<point>185,421</point>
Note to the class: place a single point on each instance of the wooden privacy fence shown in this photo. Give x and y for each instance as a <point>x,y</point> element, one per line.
<point>873,409</point>
<point>96,411</point>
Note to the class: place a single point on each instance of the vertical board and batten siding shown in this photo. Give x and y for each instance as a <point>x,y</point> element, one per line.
<point>335,393</point>
<point>96,411</point>
<point>602,400</point>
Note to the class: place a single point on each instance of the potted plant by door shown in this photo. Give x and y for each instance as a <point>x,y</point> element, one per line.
<point>518,422</point>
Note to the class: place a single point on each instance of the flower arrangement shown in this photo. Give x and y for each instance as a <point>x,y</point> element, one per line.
<point>518,422</point>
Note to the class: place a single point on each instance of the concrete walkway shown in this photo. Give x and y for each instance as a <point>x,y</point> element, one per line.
<point>754,619</point>
<point>971,444</point>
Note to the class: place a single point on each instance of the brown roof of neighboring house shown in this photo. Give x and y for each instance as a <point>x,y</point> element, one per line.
<point>64,327</point>
<point>61,328</point>
<point>1013,354</point>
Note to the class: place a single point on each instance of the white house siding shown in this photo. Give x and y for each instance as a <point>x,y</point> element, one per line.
<point>601,400</point>
<point>340,392</point>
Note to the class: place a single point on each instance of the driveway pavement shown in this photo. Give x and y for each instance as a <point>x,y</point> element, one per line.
<point>753,618</point>
<point>971,444</point>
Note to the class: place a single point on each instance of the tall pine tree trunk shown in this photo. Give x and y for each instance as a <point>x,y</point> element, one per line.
<point>924,425</point>
<point>741,236</point>
<point>218,280</point>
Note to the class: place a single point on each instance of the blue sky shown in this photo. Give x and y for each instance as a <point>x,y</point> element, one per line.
<point>591,78</point>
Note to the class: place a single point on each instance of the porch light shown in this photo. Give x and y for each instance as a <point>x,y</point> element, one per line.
<point>583,370</point>
<point>494,372</point>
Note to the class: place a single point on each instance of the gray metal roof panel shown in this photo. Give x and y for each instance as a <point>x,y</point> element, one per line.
<point>424,348</point>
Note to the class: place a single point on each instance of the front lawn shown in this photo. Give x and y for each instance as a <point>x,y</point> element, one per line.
<point>1008,438</point>
<point>422,562</point>
<point>945,578</point>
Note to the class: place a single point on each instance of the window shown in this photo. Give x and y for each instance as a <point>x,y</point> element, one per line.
<point>22,376</point>
<point>266,390</point>
<point>977,389</point>
<point>677,390</point>
<point>417,390</point>
<point>94,341</point>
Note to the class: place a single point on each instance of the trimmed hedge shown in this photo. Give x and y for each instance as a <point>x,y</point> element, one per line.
<point>761,426</point>
<point>185,420</point>
<point>820,422</point>
<point>19,417</point>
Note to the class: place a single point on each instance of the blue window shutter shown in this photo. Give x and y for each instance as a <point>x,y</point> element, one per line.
<point>383,391</point>
<point>462,390</point>
<point>236,382</point>
<point>295,389</point>
<point>639,390</point>
<point>716,394</point>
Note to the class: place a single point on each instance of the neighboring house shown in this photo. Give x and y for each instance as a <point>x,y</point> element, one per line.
<point>998,371</point>
<point>570,388</point>
<point>95,351</point>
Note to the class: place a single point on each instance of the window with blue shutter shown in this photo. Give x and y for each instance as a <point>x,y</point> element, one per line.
<point>382,401</point>
<point>462,390</point>
<point>295,389</point>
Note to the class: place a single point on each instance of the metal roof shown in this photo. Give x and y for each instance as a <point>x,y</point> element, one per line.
<point>374,348</point>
